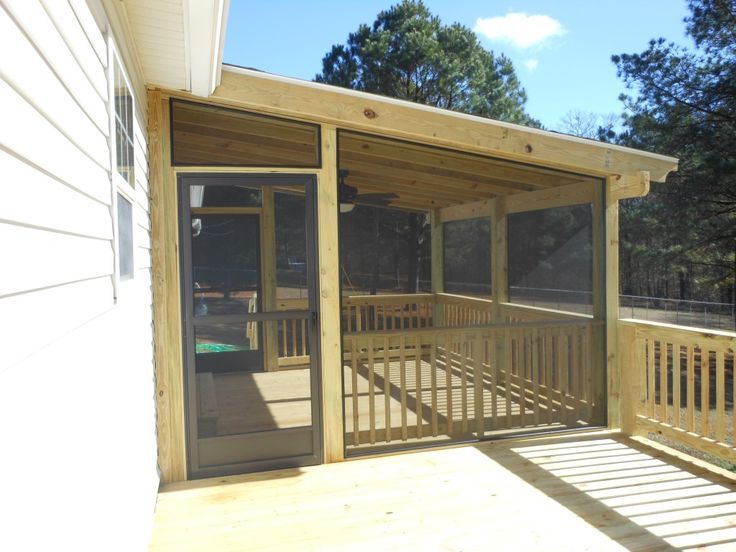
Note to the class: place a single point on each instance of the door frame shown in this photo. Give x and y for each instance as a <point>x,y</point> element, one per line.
<point>309,182</point>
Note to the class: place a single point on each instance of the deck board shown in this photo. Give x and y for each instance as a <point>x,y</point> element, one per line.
<point>586,491</point>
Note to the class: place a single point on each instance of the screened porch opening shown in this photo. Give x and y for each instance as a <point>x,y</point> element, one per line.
<point>467,312</point>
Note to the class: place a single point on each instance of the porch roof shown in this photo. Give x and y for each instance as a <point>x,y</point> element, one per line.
<point>389,117</point>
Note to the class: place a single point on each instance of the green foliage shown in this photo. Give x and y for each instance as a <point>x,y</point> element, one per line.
<point>408,53</point>
<point>681,240</point>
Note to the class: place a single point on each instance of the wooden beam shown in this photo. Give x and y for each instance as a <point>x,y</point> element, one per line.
<point>561,196</point>
<point>367,112</point>
<point>329,299</point>
<point>499,257</point>
<point>268,276</point>
<point>438,264</point>
<point>624,187</point>
<point>170,415</point>
<point>598,354</point>
<point>614,366</point>
<point>464,211</point>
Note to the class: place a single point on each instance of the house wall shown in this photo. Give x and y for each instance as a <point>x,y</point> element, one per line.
<point>77,418</point>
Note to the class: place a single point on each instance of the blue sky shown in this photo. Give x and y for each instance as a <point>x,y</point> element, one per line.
<point>562,55</point>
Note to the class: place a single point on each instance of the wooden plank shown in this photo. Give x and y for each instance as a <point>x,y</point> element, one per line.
<point>704,392</point>
<point>465,211</point>
<point>508,360</point>
<point>355,354</point>
<point>170,427</point>
<point>628,186</point>
<point>663,381</point>
<point>600,368</point>
<point>478,348</point>
<point>433,368</point>
<point>447,342</point>
<point>371,391</point>
<point>402,391</point>
<point>690,389</point>
<point>387,389</point>
<point>267,222</point>
<point>535,373</point>
<point>720,430</point>
<point>499,258</point>
<point>279,95</point>
<point>418,371</point>
<point>548,374</point>
<point>437,253</point>
<point>676,379</point>
<point>563,372</point>
<point>560,196</point>
<point>651,388</point>
<point>329,299</point>
<point>463,346</point>
<point>613,354</point>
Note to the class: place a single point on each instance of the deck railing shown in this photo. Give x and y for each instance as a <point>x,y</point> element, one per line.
<point>459,310</point>
<point>464,382</point>
<point>679,383</point>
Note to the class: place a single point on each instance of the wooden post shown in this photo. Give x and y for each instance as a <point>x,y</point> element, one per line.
<point>329,299</point>
<point>614,365</point>
<point>628,362</point>
<point>499,257</point>
<point>437,231</point>
<point>268,277</point>
<point>600,368</point>
<point>170,425</point>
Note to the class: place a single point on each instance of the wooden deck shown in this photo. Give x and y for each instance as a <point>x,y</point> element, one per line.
<point>586,491</point>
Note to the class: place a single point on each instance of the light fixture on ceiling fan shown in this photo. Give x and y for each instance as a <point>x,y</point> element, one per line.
<point>349,196</point>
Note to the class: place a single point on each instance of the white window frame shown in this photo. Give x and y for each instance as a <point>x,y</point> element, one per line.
<point>118,185</point>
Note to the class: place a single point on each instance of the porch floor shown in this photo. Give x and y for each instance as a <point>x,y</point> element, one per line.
<point>584,491</point>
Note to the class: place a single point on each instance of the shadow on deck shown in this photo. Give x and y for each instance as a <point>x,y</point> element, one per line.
<point>586,491</point>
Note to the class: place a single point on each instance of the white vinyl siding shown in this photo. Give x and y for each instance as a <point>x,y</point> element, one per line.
<point>77,403</point>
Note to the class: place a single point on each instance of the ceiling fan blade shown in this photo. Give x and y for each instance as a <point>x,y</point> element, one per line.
<point>374,202</point>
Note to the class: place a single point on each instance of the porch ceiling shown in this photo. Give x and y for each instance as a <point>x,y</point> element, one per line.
<point>426,177</point>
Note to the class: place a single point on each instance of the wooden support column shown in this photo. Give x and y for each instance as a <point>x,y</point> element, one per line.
<point>499,257</point>
<point>329,299</point>
<point>438,264</point>
<point>598,352</point>
<point>268,277</point>
<point>614,358</point>
<point>170,426</point>
<point>630,380</point>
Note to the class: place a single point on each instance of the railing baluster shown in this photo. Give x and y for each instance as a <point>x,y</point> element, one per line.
<point>704,392</point>
<point>464,382</point>
<point>535,373</point>
<point>720,397</point>
<point>548,376</point>
<point>402,381</point>
<point>433,378</point>
<point>418,371</point>
<point>508,360</point>
<point>354,383</point>
<point>690,388</point>
<point>448,382</point>
<point>676,393</point>
<point>650,376</point>
<point>371,392</point>
<point>387,388</point>
<point>478,347</point>
<point>663,380</point>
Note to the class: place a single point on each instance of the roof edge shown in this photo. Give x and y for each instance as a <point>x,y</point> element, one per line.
<point>368,111</point>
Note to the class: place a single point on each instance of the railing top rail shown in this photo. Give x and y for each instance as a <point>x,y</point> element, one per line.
<point>551,312</point>
<point>537,324</point>
<point>463,299</point>
<point>664,330</point>
<point>404,298</point>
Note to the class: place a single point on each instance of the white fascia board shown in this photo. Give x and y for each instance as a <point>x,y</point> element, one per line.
<point>205,38</point>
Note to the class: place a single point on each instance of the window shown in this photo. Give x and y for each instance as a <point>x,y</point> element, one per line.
<point>124,146</point>
<point>121,114</point>
<point>125,238</point>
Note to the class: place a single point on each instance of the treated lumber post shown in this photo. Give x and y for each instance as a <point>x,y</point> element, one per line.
<point>499,257</point>
<point>170,425</point>
<point>268,272</point>
<point>438,265</point>
<point>329,299</point>
<point>614,365</point>
<point>628,364</point>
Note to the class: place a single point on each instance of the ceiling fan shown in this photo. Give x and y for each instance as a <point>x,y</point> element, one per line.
<point>349,196</point>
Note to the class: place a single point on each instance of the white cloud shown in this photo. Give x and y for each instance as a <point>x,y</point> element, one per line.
<point>531,64</point>
<point>519,29</point>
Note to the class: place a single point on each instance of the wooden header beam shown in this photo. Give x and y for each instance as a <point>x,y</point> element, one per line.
<point>390,117</point>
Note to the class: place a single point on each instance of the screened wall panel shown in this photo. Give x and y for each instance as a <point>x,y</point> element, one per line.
<point>551,258</point>
<point>467,257</point>
<point>217,136</point>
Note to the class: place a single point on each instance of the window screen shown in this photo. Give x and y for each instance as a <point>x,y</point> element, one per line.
<point>124,148</point>
<point>125,238</point>
<point>209,135</point>
<point>467,257</point>
<point>551,258</point>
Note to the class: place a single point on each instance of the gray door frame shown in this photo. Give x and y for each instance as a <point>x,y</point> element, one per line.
<point>269,440</point>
